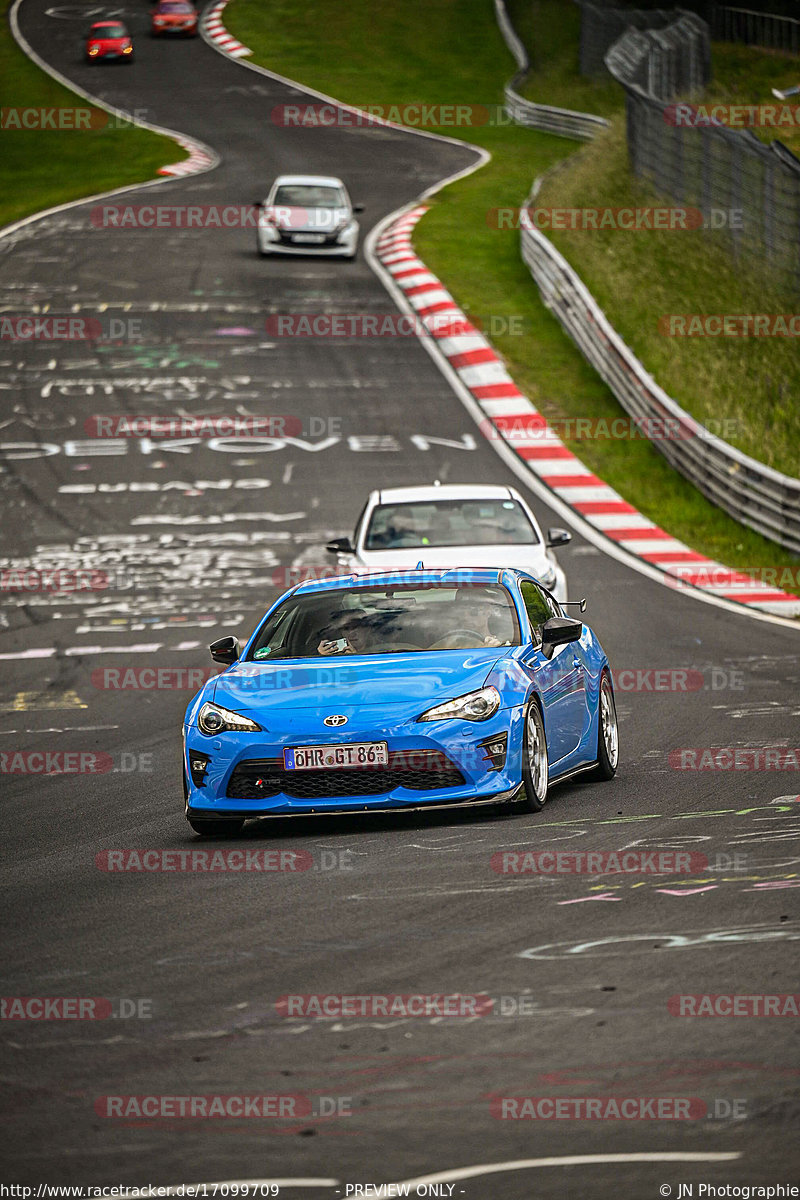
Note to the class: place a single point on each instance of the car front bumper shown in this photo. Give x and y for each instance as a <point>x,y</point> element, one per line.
<point>345,245</point>
<point>432,764</point>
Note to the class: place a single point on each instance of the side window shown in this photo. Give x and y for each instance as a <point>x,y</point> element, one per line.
<point>537,606</point>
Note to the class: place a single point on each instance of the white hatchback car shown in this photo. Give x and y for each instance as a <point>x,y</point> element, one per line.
<point>449,525</point>
<point>308,214</point>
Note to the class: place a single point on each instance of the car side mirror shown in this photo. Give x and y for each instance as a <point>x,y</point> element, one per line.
<point>226,650</point>
<point>258,204</point>
<point>558,537</point>
<point>341,545</point>
<point>358,208</point>
<point>557,631</point>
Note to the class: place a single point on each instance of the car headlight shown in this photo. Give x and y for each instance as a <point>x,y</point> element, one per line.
<point>474,706</point>
<point>548,577</point>
<point>212,719</point>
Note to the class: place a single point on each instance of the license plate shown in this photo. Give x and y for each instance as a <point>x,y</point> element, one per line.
<point>327,758</point>
<point>310,238</point>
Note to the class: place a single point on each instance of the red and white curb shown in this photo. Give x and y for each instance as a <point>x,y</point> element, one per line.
<point>213,30</point>
<point>511,417</point>
<point>199,159</point>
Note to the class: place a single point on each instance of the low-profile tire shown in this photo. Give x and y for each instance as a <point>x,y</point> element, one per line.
<point>607,731</point>
<point>214,827</point>
<point>535,764</point>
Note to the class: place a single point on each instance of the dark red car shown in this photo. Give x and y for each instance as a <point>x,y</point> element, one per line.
<point>109,39</point>
<point>175,17</point>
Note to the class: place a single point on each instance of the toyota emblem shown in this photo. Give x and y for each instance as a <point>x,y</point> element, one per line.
<point>336,719</point>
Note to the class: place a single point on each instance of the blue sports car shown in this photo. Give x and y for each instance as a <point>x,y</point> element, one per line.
<point>399,690</point>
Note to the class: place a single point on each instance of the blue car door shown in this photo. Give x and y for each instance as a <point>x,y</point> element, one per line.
<point>559,680</point>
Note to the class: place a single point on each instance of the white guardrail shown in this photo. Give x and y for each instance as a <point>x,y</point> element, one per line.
<point>563,121</point>
<point>754,494</point>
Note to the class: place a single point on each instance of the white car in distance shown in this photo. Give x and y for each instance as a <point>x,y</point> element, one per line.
<point>308,214</point>
<point>452,525</point>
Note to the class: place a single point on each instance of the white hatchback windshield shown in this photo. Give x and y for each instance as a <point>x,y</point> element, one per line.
<point>449,523</point>
<point>298,195</point>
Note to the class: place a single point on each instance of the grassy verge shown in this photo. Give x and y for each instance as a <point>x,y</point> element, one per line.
<point>459,49</point>
<point>742,75</point>
<point>40,168</point>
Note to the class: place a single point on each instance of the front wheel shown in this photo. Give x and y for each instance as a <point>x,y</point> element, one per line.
<point>535,765</point>
<point>607,732</point>
<point>210,828</point>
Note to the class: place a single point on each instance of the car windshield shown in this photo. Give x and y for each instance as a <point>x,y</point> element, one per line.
<point>307,195</point>
<point>449,523</point>
<point>174,6</point>
<point>388,620</point>
<point>110,31</point>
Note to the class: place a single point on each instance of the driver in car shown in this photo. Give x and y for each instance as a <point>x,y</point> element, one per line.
<point>346,635</point>
<point>475,612</point>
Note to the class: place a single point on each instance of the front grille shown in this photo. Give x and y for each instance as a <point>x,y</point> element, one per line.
<point>419,770</point>
<point>330,239</point>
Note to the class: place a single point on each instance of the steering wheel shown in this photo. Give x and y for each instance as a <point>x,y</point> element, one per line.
<point>442,644</point>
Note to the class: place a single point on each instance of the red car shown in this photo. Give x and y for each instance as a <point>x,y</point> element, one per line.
<point>109,39</point>
<point>174,16</point>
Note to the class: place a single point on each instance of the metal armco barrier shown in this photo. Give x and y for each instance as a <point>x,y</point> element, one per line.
<point>561,121</point>
<point>756,28</point>
<point>754,494</point>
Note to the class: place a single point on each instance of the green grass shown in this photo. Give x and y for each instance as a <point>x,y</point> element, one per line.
<point>746,75</point>
<point>550,30</point>
<point>41,168</point>
<point>749,383</point>
<point>458,47</point>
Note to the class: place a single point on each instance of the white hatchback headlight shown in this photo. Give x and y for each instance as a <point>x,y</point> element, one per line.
<point>212,719</point>
<point>474,706</point>
<point>548,578</point>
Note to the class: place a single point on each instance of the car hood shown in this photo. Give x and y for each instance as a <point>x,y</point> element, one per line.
<point>528,558</point>
<point>355,681</point>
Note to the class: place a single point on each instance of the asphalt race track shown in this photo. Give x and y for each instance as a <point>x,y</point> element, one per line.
<point>402,904</point>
